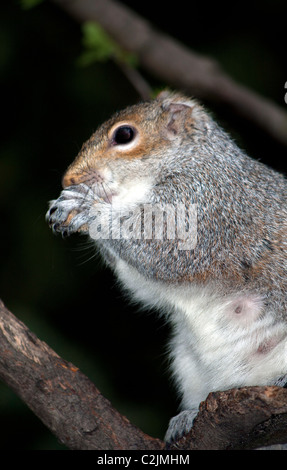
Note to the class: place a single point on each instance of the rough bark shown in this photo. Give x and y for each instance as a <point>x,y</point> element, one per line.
<point>65,400</point>
<point>238,419</point>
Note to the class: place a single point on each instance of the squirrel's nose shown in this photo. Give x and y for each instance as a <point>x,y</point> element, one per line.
<point>70,178</point>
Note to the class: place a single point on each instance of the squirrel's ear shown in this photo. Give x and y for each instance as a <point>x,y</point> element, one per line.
<point>178,114</point>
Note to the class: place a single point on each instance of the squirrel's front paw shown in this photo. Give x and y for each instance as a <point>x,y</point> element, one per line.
<point>180,424</point>
<point>69,213</point>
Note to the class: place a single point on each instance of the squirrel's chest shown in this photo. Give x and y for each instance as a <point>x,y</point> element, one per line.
<point>217,336</point>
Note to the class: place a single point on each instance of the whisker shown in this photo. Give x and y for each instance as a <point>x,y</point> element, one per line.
<point>106,194</point>
<point>87,260</point>
<point>82,249</point>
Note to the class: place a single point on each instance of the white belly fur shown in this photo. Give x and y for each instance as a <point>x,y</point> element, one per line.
<point>219,342</point>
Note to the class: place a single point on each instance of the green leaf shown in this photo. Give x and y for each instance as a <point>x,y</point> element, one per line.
<point>27,4</point>
<point>100,47</point>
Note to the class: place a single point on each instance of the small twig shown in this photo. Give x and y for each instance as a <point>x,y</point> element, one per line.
<point>137,81</point>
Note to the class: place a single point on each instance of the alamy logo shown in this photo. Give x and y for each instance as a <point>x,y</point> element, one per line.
<point>176,222</point>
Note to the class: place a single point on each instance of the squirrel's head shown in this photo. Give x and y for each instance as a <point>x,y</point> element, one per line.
<point>134,140</point>
<point>129,161</point>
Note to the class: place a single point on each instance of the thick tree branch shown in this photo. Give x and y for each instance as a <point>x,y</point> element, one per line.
<point>76,412</point>
<point>60,395</point>
<point>177,65</point>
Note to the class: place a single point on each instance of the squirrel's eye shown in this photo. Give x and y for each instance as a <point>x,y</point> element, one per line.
<point>123,135</point>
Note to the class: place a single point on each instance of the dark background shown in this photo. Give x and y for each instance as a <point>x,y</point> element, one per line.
<point>49,107</point>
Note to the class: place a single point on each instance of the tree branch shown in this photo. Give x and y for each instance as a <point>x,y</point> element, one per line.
<point>245,418</point>
<point>60,395</point>
<point>177,65</point>
<point>76,412</point>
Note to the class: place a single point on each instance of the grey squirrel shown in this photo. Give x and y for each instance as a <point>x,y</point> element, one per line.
<point>225,294</point>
